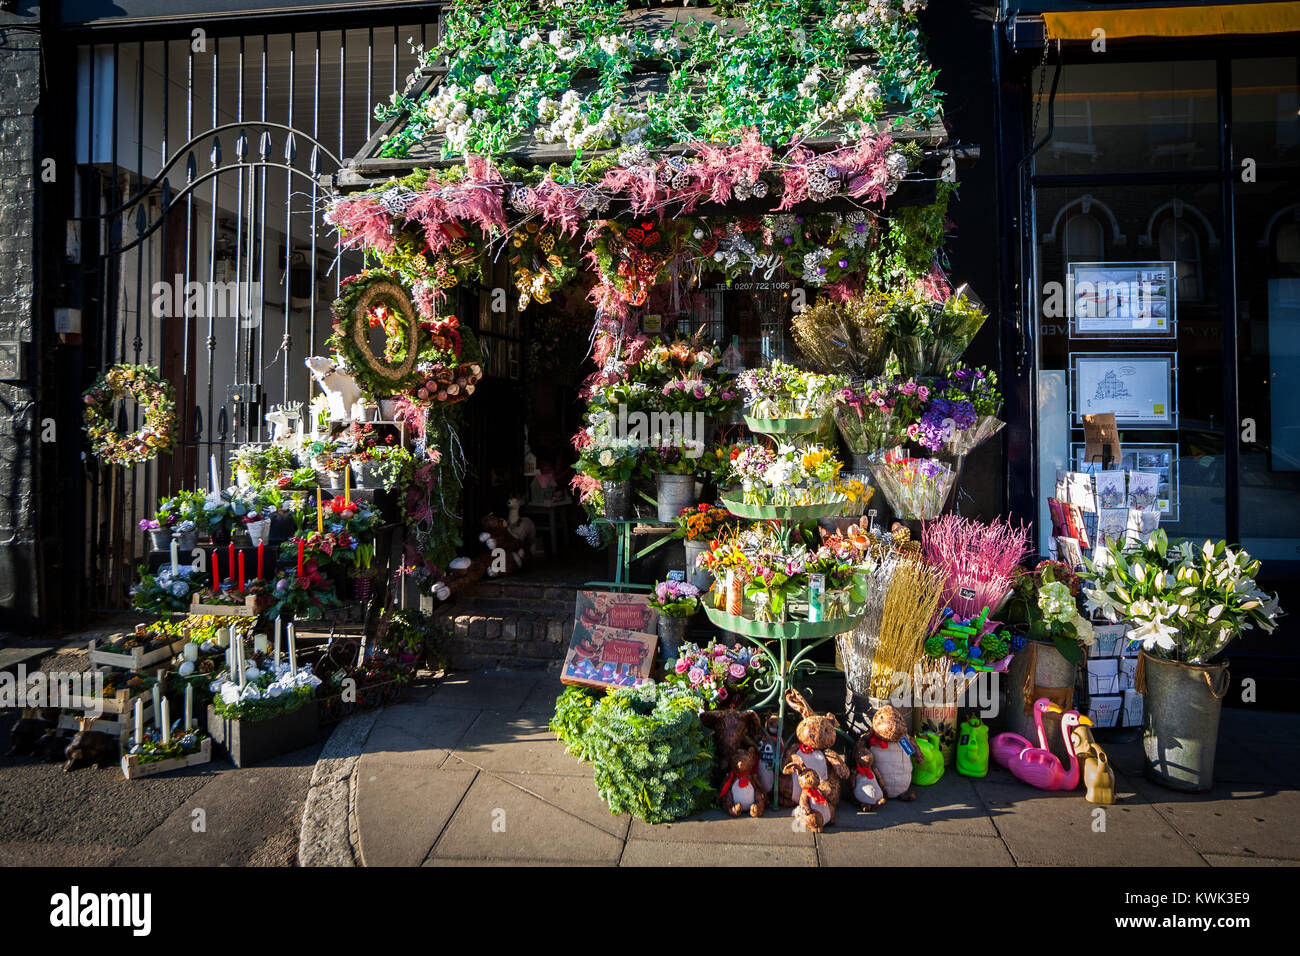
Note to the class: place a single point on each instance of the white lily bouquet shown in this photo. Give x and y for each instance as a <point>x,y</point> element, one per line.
<point>1185,603</point>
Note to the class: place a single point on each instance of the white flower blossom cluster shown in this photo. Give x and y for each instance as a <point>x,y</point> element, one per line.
<point>861,96</point>
<point>284,682</point>
<point>569,121</point>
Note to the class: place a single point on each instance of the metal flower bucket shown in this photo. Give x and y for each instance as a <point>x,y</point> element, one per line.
<point>1180,720</point>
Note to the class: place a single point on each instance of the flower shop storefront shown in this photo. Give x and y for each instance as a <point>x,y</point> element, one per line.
<point>708,245</point>
<point>777,380</point>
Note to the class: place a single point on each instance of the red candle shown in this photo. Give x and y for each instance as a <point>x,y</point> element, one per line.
<point>231,566</point>
<point>300,557</point>
<point>241,572</point>
<point>216,570</point>
<point>261,546</point>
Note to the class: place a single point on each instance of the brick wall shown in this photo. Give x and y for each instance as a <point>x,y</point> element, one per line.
<point>20,92</point>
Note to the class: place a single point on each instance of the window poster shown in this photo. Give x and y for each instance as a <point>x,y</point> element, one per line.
<point>1134,299</point>
<point>1138,389</point>
<point>1158,460</point>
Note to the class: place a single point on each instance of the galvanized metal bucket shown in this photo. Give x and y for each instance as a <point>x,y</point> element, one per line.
<point>675,492</point>
<point>1180,720</point>
<point>618,500</point>
<point>672,633</point>
<point>694,548</point>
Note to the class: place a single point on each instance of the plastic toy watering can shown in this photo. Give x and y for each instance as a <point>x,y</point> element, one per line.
<point>930,769</point>
<point>973,748</point>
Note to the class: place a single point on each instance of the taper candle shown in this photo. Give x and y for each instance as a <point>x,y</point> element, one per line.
<point>166,726</point>
<point>176,564</point>
<point>261,547</point>
<point>277,644</point>
<point>241,572</point>
<point>293,652</point>
<point>300,557</point>
<point>347,485</point>
<point>216,570</point>
<point>320,515</point>
<point>189,707</point>
<point>139,719</point>
<point>230,569</point>
<point>153,691</point>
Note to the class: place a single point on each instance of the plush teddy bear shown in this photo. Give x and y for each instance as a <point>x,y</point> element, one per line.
<point>733,731</point>
<point>769,751</point>
<point>741,791</point>
<point>892,752</point>
<point>496,534</point>
<point>816,808</point>
<point>814,749</point>
<point>867,792</point>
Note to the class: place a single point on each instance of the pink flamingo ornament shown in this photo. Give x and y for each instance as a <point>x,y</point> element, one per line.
<point>1006,747</point>
<point>1039,767</point>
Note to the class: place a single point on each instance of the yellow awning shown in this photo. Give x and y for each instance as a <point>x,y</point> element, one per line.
<point>1218,20</point>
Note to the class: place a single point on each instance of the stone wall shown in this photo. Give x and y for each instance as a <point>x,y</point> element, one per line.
<point>20,95</point>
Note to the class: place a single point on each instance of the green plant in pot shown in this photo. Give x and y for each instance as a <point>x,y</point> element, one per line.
<point>362,573</point>
<point>613,462</point>
<point>677,602</point>
<point>673,464</point>
<point>405,631</point>
<point>1185,604</point>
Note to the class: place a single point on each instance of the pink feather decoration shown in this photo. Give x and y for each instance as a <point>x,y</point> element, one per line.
<point>362,223</point>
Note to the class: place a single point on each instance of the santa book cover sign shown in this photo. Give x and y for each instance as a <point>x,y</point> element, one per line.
<point>613,641</point>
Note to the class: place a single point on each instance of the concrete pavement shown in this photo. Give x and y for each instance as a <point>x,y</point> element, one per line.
<point>466,772</point>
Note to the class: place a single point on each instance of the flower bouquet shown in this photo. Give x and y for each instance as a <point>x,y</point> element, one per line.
<point>679,599</point>
<point>916,488</point>
<point>788,476</point>
<point>1185,603</point>
<point>967,409</point>
<point>927,335</point>
<point>1044,603</point>
<point>782,391</point>
<point>719,674</point>
<point>979,561</point>
<point>165,592</point>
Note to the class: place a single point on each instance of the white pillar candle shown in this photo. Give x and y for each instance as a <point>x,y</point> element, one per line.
<point>166,720</point>
<point>190,652</point>
<point>212,473</point>
<point>189,707</point>
<point>139,719</point>
<point>259,643</point>
<point>176,564</point>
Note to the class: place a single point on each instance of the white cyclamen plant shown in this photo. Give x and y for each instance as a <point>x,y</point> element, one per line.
<point>1184,602</point>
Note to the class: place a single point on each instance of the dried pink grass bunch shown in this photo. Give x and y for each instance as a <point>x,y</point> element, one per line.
<point>978,560</point>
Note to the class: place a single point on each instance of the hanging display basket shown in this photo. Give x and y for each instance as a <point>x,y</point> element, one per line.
<point>157,407</point>
<point>787,630</point>
<point>784,512</point>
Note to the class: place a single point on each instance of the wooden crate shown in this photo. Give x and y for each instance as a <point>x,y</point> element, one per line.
<point>132,769</point>
<point>120,704</point>
<point>119,725</point>
<point>137,658</point>
<point>253,605</point>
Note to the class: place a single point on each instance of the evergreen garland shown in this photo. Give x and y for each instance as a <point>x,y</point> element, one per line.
<point>653,756</point>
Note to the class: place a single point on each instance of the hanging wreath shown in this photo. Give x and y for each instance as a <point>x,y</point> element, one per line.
<point>151,393</point>
<point>377,299</point>
<point>543,261</point>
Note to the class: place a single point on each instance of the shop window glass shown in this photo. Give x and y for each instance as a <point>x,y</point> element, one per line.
<point>1110,239</point>
<point>1130,117</point>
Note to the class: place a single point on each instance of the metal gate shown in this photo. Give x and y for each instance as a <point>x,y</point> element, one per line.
<point>200,239</point>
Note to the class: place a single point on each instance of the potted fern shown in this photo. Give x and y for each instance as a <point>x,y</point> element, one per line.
<point>1185,604</point>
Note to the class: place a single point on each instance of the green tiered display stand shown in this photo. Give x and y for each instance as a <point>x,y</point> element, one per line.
<point>787,646</point>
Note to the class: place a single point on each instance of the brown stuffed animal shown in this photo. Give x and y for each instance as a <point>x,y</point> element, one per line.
<point>496,534</point>
<point>889,744</point>
<point>867,792</point>
<point>733,731</point>
<point>90,746</point>
<point>741,791</point>
<point>816,808</point>
<point>814,749</point>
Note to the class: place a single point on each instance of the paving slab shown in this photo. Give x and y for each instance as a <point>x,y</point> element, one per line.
<point>1058,828</point>
<point>896,847</point>
<point>668,853</point>
<point>417,734</point>
<point>400,813</point>
<point>515,743</point>
<point>500,690</point>
<point>541,699</point>
<point>575,795</point>
<point>499,821</point>
<point>949,806</point>
<point>774,828</point>
<point>1219,859</point>
<point>1231,819</point>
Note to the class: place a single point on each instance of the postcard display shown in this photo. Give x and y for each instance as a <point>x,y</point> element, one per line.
<point>1123,362</point>
<point>1091,510</point>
